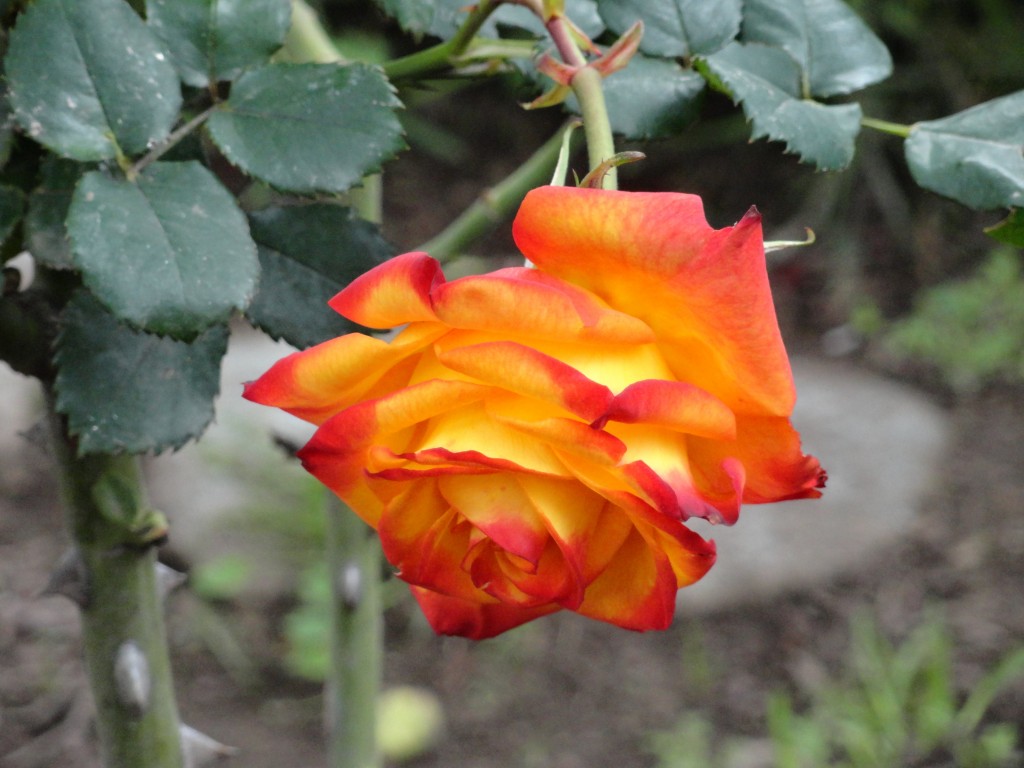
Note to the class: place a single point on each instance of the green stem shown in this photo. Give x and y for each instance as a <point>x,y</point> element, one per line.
<point>169,143</point>
<point>439,57</point>
<point>587,86</point>
<point>495,204</point>
<point>895,129</point>
<point>307,40</point>
<point>597,127</point>
<point>357,633</point>
<point>368,199</point>
<point>124,641</point>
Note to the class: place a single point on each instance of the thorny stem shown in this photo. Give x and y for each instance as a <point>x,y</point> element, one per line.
<point>495,204</point>
<point>137,716</point>
<point>587,86</point>
<point>357,639</point>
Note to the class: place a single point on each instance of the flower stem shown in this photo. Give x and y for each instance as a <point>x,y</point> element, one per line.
<point>597,127</point>
<point>124,641</point>
<point>357,633</point>
<point>587,86</point>
<point>495,204</point>
<point>895,129</point>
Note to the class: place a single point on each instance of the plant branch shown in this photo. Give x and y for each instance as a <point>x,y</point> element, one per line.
<point>894,129</point>
<point>439,57</point>
<point>495,204</point>
<point>587,85</point>
<point>357,634</point>
<point>124,642</point>
<point>169,143</point>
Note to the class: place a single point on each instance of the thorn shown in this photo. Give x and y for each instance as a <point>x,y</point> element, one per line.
<point>70,579</point>
<point>168,579</point>
<point>132,679</point>
<point>350,585</point>
<point>596,176</point>
<point>199,750</point>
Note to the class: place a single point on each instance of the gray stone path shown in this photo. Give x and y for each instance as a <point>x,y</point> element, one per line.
<point>881,443</point>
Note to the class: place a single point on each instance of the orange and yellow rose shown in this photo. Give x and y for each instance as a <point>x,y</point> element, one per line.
<point>536,439</point>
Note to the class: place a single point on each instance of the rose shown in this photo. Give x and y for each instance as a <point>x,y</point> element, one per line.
<point>536,439</point>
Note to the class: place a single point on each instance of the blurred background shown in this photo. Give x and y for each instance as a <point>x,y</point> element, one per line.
<point>882,626</point>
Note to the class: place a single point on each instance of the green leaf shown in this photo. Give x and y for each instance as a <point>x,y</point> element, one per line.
<point>125,391</point>
<point>307,254</point>
<point>837,53</point>
<point>215,40</point>
<point>169,253</point>
<point>1010,230</point>
<point>309,127</point>
<point>651,98</point>
<point>766,81</point>
<point>88,79</point>
<point>12,207</point>
<point>674,28</point>
<point>439,18</point>
<point>975,156</point>
<point>45,232</point>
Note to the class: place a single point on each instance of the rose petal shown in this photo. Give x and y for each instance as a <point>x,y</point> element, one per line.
<point>658,462</point>
<point>525,371</point>
<point>674,405</point>
<point>587,530</point>
<point>567,435</point>
<point>524,303</point>
<point>497,505</point>
<point>767,449</point>
<point>336,454</point>
<point>467,618</point>
<point>636,591</point>
<point>394,293</point>
<point>319,382</point>
<point>654,256</point>
<point>427,541</point>
<point>471,429</point>
<point>548,581</point>
<point>690,555</point>
<point>385,464</point>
